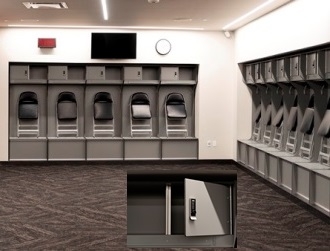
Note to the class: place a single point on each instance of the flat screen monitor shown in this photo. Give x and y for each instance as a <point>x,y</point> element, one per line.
<point>113,46</point>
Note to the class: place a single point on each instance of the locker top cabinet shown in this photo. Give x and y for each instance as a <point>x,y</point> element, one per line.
<point>315,65</point>
<point>248,73</point>
<point>180,208</point>
<point>282,70</point>
<point>298,67</point>
<point>28,74</point>
<point>270,71</point>
<point>259,73</point>
<point>64,74</point>
<point>178,75</point>
<point>327,64</point>
<point>104,75</point>
<point>142,75</point>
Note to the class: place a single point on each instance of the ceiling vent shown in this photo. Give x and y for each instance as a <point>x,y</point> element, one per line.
<point>60,5</point>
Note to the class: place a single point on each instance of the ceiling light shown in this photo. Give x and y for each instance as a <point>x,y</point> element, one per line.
<point>182,19</point>
<point>153,1</point>
<point>104,9</point>
<point>60,5</point>
<point>247,14</point>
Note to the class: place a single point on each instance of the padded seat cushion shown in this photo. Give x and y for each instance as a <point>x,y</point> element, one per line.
<point>268,117</point>
<point>324,129</point>
<point>28,111</point>
<point>67,110</point>
<point>278,117</point>
<point>291,124</point>
<point>103,111</point>
<point>176,111</point>
<point>141,112</point>
<point>307,124</point>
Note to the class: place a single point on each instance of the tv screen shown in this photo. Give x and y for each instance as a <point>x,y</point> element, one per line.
<point>113,45</point>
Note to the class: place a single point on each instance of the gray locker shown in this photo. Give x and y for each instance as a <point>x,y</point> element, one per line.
<point>297,68</point>
<point>321,190</point>
<point>132,73</point>
<point>95,73</point>
<point>28,74</point>
<point>302,183</point>
<point>22,149</point>
<point>104,149</point>
<point>57,72</point>
<point>19,72</point>
<point>315,64</point>
<point>169,73</point>
<point>207,208</point>
<point>282,70</point>
<point>259,71</point>
<point>327,64</point>
<point>249,71</point>
<point>66,149</point>
<point>270,71</point>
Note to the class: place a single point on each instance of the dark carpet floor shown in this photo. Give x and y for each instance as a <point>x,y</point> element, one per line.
<point>82,206</point>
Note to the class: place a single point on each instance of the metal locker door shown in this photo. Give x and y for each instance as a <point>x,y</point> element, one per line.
<point>207,208</point>
<point>312,63</point>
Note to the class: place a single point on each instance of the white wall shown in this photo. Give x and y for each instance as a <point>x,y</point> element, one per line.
<point>297,25</point>
<point>215,114</point>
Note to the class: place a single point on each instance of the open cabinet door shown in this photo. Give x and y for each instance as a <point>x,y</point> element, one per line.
<point>207,208</point>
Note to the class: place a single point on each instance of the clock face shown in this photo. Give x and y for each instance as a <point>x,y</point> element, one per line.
<point>163,46</point>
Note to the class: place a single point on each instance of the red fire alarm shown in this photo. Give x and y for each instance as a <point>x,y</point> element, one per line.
<point>46,42</point>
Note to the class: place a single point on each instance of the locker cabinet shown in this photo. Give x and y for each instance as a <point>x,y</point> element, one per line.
<point>282,70</point>
<point>270,71</point>
<point>27,74</point>
<point>315,64</point>
<point>327,64</point>
<point>259,71</point>
<point>249,71</point>
<point>181,209</point>
<point>297,68</point>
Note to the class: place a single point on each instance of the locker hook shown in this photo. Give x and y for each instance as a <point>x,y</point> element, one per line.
<point>322,89</point>
<point>305,88</point>
<point>290,90</point>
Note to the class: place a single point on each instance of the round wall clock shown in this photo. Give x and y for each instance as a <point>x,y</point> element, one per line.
<point>163,46</point>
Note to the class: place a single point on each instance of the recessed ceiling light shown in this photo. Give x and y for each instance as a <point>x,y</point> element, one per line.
<point>30,20</point>
<point>153,1</point>
<point>59,5</point>
<point>104,9</point>
<point>182,19</point>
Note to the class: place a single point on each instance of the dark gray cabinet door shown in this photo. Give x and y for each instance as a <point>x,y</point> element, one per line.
<point>207,208</point>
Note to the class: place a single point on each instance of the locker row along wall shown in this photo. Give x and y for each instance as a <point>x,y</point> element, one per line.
<point>119,135</point>
<point>289,144</point>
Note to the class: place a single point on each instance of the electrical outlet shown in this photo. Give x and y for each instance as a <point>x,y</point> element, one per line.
<point>214,143</point>
<point>209,143</point>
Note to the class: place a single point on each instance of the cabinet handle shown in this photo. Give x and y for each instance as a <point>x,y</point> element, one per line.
<point>139,73</point>
<point>313,64</point>
<point>193,212</point>
<point>101,73</point>
<point>64,73</point>
<point>26,72</point>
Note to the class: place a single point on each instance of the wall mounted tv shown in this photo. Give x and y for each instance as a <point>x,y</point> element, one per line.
<point>113,45</point>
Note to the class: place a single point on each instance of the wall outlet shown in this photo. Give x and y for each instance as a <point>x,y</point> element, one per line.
<point>214,143</point>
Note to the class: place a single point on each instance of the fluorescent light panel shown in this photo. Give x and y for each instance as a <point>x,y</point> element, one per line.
<point>247,14</point>
<point>104,27</point>
<point>104,9</point>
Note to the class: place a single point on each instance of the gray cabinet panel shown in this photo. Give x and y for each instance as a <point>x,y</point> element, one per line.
<point>28,149</point>
<point>57,72</point>
<point>66,149</point>
<point>143,148</point>
<point>322,192</point>
<point>270,71</point>
<point>259,71</point>
<point>249,71</point>
<point>302,183</point>
<point>19,72</point>
<point>297,68</point>
<point>169,73</point>
<point>282,70</point>
<point>327,64</point>
<point>183,148</point>
<point>95,73</point>
<point>212,208</point>
<point>105,149</point>
<point>132,73</point>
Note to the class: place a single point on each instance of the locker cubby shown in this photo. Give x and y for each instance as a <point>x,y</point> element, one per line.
<point>283,70</point>
<point>110,75</point>
<point>66,148</point>
<point>270,71</point>
<point>64,74</point>
<point>320,194</point>
<point>249,73</point>
<point>315,65</point>
<point>259,73</point>
<point>298,67</point>
<point>182,75</point>
<point>327,64</point>
<point>159,208</point>
<point>28,74</point>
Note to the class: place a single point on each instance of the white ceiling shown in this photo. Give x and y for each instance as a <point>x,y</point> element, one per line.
<point>199,14</point>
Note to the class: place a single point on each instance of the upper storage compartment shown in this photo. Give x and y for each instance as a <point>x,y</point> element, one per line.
<point>182,75</point>
<point>28,74</point>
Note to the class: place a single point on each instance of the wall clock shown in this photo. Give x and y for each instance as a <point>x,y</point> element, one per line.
<point>163,46</point>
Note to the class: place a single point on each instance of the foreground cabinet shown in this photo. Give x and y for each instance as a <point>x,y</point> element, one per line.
<point>181,209</point>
